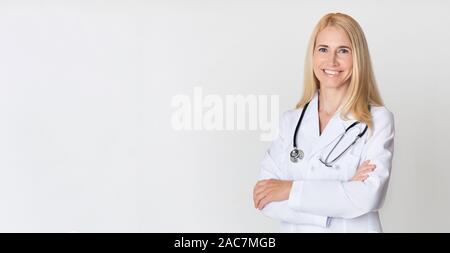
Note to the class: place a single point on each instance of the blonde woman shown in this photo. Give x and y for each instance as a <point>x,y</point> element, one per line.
<point>329,168</point>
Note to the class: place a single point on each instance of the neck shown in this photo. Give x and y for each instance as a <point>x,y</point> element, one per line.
<point>330,99</point>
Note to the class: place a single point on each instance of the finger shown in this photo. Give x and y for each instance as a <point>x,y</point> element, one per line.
<point>365,164</point>
<point>254,199</point>
<point>366,167</point>
<point>359,178</point>
<point>263,193</point>
<point>265,181</point>
<point>262,187</point>
<point>263,202</point>
<point>261,182</point>
<point>363,171</point>
<point>268,183</point>
<point>369,169</point>
<point>362,178</point>
<point>372,168</point>
<point>368,164</point>
<point>254,189</point>
<point>356,178</point>
<point>362,174</point>
<point>259,189</point>
<point>260,204</point>
<point>255,195</point>
<point>261,196</point>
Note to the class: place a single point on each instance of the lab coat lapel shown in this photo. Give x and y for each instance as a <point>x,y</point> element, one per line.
<point>334,129</point>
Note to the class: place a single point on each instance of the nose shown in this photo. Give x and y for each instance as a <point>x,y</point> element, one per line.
<point>332,59</point>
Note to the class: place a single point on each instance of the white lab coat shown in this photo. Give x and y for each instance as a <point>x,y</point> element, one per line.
<point>323,199</point>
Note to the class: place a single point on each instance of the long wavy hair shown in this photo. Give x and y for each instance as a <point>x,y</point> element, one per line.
<point>362,90</point>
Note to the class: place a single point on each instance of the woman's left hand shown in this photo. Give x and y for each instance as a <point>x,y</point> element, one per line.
<point>269,190</point>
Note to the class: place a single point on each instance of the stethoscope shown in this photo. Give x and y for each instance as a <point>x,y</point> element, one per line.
<point>297,154</point>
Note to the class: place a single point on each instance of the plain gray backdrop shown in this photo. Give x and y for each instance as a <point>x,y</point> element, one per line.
<point>86,142</point>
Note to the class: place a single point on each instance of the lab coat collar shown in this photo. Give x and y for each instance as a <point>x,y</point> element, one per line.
<point>333,130</point>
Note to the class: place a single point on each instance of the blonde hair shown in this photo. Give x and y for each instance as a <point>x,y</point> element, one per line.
<point>362,90</point>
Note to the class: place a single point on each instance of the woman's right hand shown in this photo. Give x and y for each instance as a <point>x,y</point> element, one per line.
<point>364,169</point>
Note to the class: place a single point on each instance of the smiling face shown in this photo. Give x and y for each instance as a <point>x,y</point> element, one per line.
<point>332,58</point>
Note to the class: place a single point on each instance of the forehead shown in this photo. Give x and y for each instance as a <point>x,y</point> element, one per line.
<point>333,36</point>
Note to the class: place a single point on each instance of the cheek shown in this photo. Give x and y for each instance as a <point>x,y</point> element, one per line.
<point>318,73</point>
<point>347,64</point>
<point>316,66</point>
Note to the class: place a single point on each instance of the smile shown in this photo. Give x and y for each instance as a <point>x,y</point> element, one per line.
<point>330,72</point>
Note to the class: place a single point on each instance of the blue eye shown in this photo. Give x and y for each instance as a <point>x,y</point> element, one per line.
<point>344,51</point>
<point>322,50</point>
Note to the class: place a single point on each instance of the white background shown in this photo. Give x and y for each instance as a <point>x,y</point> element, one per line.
<point>86,142</point>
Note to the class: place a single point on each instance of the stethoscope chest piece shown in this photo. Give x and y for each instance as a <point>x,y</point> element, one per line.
<point>296,154</point>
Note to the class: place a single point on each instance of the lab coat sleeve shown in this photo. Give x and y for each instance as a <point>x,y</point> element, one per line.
<point>271,169</point>
<point>350,199</point>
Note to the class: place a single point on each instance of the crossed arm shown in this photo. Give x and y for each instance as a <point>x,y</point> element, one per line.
<point>313,201</point>
<point>269,190</point>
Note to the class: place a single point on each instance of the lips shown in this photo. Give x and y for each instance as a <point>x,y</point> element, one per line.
<point>331,72</point>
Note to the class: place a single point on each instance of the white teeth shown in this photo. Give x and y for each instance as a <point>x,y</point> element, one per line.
<point>330,72</point>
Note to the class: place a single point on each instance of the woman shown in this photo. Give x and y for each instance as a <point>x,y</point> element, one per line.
<point>333,175</point>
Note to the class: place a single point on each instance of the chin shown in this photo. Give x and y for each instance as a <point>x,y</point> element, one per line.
<point>332,85</point>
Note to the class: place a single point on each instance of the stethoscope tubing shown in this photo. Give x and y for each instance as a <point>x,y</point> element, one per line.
<point>298,154</point>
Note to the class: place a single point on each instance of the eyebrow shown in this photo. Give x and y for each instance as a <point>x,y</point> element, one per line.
<point>337,47</point>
